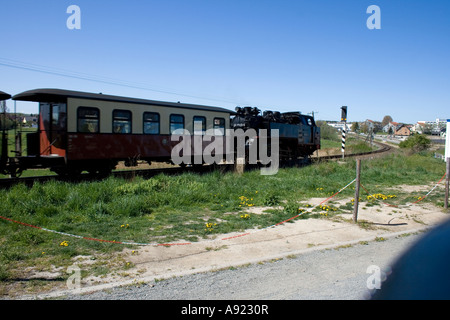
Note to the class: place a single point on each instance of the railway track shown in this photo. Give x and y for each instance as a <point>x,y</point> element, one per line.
<point>129,174</point>
<point>383,148</point>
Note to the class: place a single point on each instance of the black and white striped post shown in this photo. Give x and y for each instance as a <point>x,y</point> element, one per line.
<point>344,128</point>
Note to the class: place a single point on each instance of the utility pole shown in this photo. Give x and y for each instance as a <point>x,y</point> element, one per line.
<point>313,113</point>
<point>344,128</point>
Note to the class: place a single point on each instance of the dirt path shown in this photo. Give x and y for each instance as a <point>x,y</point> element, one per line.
<point>252,246</point>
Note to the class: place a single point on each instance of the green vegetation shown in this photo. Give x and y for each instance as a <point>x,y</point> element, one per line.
<point>167,209</point>
<point>353,145</point>
<point>416,143</point>
<point>327,132</point>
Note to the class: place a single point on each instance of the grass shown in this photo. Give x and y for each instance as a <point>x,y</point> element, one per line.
<point>167,209</point>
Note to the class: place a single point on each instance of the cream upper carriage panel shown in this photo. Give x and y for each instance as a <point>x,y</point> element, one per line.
<point>106,108</point>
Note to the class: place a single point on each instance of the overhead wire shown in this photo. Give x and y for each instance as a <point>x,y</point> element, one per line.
<point>99,79</point>
<point>116,82</point>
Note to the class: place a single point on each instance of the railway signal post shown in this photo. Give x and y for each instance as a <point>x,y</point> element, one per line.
<point>344,128</point>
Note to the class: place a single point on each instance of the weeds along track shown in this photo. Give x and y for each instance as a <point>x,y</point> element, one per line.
<point>126,174</point>
<point>129,174</point>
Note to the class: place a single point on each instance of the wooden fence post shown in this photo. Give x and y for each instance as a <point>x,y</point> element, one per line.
<point>357,184</point>
<point>239,166</point>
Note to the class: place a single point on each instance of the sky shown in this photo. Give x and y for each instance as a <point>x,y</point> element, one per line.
<point>300,55</point>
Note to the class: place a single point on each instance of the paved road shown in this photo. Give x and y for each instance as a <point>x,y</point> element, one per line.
<point>320,275</point>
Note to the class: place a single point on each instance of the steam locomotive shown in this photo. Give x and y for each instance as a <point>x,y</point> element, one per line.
<point>298,134</point>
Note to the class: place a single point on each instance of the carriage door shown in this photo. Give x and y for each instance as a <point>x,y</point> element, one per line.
<point>53,129</point>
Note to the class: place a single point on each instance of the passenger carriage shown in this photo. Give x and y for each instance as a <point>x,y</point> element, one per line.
<point>92,132</point>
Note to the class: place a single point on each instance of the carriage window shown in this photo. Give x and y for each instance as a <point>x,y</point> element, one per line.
<point>151,123</point>
<point>219,126</point>
<point>199,125</point>
<point>55,115</point>
<point>121,121</point>
<point>88,120</point>
<point>58,116</point>
<point>176,124</point>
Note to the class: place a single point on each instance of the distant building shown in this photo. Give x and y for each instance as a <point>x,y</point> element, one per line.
<point>24,120</point>
<point>340,125</point>
<point>373,126</point>
<point>392,127</point>
<point>404,130</point>
<point>31,119</point>
<point>431,127</point>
